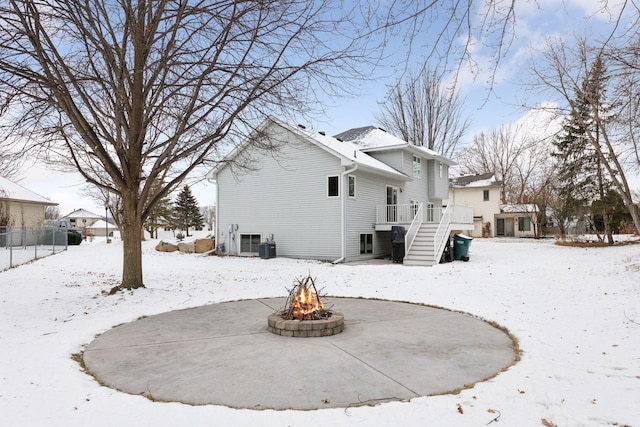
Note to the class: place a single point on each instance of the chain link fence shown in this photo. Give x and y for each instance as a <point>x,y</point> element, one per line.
<point>21,245</point>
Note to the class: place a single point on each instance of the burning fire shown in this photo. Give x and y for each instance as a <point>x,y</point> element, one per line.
<point>305,303</point>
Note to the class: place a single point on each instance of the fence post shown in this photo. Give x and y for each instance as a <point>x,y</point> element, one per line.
<point>10,243</point>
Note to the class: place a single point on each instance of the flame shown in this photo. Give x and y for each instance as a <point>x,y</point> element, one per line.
<point>305,303</point>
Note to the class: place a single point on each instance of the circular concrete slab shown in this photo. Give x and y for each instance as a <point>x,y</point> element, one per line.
<point>222,354</point>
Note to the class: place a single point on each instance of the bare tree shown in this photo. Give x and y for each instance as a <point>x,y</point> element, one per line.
<point>498,151</point>
<point>209,215</point>
<point>11,160</point>
<point>135,93</point>
<point>425,111</point>
<point>563,72</point>
<point>130,93</point>
<point>51,212</point>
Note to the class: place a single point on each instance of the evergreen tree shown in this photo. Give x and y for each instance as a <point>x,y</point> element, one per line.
<point>578,146</point>
<point>159,217</point>
<point>186,211</point>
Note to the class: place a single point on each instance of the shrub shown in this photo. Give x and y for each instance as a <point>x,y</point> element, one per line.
<point>74,238</point>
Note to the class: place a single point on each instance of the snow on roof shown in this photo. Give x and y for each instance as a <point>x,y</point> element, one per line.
<point>12,191</point>
<point>347,150</point>
<point>101,225</point>
<point>350,146</point>
<point>518,208</point>
<point>475,181</point>
<point>371,139</point>
<point>81,213</point>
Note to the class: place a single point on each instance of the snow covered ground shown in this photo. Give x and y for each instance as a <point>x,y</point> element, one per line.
<point>575,312</point>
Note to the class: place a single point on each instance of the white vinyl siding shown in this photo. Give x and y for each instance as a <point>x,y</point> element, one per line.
<point>283,194</point>
<point>361,215</point>
<point>438,176</point>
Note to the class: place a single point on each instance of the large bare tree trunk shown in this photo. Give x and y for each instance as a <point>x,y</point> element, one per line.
<point>131,225</point>
<point>605,212</point>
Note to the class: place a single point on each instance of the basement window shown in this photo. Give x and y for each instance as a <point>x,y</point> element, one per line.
<point>366,243</point>
<point>249,243</point>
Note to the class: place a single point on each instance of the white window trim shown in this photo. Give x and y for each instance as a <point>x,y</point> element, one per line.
<point>373,243</point>
<point>355,186</point>
<point>416,160</point>
<point>240,251</point>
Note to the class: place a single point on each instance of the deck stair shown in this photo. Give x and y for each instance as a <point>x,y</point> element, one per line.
<point>423,250</point>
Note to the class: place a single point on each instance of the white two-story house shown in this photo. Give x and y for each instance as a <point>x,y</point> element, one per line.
<point>332,198</point>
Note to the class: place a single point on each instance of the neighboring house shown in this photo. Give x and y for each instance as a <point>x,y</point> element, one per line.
<point>334,199</point>
<point>102,228</point>
<point>482,193</point>
<point>21,208</point>
<point>83,220</point>
<point>517,220</point>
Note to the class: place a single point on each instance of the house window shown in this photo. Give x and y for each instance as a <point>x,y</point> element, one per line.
<point>524,223</point>
<point>417,167</point>
<point>352,186</point>
<point>366,243</point>
<point>333,186</point>
<point>249,243</point>
<point>485,195</point>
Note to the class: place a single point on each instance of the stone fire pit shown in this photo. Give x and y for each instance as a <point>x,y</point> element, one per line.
<point>304,314</point>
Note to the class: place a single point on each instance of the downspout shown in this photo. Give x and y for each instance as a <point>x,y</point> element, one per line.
<point>215,220</point>
<point>343,225</point>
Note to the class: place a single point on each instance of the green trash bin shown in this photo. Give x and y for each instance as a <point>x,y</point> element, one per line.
<point>461,245</point>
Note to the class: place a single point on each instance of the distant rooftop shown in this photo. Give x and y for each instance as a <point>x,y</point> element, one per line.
<point>81,213</point>
<point>12,191</point>
<point>478,180</point>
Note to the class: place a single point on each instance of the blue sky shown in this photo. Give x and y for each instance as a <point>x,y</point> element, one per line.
<point>535,20</point>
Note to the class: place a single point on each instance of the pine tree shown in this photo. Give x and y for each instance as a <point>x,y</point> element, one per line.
<point>159,217</point>
<point>186,211</point>
<point>577,160</point>
<point>578,146</point>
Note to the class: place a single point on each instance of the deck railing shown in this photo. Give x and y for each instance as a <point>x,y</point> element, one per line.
<point>396,214</point>
<point>412,232</point>
<point>405,214</point>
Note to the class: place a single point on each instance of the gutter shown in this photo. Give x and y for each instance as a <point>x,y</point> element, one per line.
<point>343,226</point>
